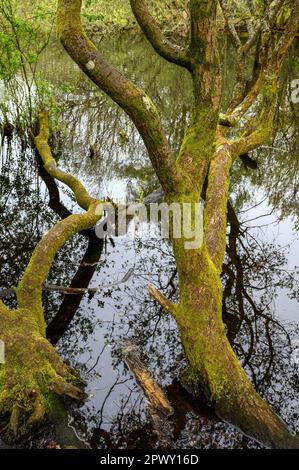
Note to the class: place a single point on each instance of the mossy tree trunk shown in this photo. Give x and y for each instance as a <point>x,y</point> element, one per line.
<point>33,375</point>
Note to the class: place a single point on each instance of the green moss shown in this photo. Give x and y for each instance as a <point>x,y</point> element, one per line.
<point>32,366</point>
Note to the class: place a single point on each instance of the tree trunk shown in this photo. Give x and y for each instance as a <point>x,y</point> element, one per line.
<point>33,373</point>
<point>206,155</point>
<point>212,363</point>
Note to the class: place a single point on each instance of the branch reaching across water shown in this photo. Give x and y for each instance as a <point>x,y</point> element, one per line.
<point>132,99</point>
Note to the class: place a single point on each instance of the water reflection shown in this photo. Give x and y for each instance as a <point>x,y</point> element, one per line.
<point>100,145</point>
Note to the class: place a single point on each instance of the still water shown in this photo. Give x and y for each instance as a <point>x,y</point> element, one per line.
<point>95,141</point>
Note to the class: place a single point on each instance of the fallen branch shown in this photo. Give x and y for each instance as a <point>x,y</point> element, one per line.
<point>159,408</point>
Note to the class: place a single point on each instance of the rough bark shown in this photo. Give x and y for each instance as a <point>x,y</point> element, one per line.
<point>212,364</point>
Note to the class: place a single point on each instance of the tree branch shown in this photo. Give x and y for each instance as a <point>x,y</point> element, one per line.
<point>266,31</point>
<point>267,88</point>
<point>29,291</point>
<point>124,92</point>
<point>229,23</point>
<point>41,141</point>
<point>197,146</point>
<point>288,36</point>
<point>152,31</point>
<point>263,129</point>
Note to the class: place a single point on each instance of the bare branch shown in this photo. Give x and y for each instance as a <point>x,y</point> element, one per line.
<point>253,38</point>
<point>158,401</point>
<point>267,87</point>
<point>152,31</point>
<point>63,388</point>
<point>288,37</point>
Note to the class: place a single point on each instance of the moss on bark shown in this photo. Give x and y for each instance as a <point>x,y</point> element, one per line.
<point>212,364</point>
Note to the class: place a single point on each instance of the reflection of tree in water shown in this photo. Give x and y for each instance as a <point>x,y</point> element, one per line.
<point>96,126</point>
<point>25,214</point>
<point>252,274</point>
<point>253,271</point>
<point>24,217</point>
<point>99,136</point>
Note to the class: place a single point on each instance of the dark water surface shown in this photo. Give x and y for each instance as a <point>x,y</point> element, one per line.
<point>260,280</point>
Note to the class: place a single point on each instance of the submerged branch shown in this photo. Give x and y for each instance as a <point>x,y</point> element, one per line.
<point>159,407</point>
<point>153,392</point>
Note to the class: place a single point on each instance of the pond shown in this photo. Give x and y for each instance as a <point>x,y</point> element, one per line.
<point>93,328</point>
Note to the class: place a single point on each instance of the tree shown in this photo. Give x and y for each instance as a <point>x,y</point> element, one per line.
<point>213,140</point>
